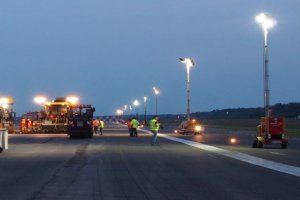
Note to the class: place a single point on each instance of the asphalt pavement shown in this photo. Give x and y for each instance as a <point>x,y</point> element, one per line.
<point>116,166</point>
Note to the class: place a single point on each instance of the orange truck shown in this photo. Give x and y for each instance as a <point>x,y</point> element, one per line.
<point>271,131</point>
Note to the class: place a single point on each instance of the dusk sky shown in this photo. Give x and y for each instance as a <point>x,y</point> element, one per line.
<point>111,52</point>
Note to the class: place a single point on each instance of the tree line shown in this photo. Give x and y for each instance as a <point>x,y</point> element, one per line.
<point>290,110</point>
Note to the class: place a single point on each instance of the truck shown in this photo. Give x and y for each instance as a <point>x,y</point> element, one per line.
<point>7,115</point>
<point>192,126</point>
<point>271,130</point>
<point>80,121</point>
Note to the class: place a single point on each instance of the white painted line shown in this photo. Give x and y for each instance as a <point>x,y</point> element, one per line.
<point>277,153</point>
<point>284,168</point>
<point>211,155</point>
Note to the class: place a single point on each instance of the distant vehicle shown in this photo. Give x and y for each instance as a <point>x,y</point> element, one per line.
<point>80,121</point>
<point>190,127</point>
<point>271,131</point>
<point>7,115</point>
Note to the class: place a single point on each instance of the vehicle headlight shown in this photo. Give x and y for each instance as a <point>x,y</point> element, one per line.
<point>175,131</point>
<point>198,128</point>
<point>233,140</point>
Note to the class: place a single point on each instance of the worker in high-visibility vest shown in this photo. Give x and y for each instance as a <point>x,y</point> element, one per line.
<point>101,126</point>
<point>29,125</point>
<point>134,125</point>
<point>23,124</point>
<point>96,123</point>
<point>154,126</point>
<point>129,127</point>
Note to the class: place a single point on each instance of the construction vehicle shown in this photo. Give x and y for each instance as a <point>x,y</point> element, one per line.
<point>53,118</point>
<point>7,115</point>
<point>80,119</point>
<point>271,131</point>
<point>190,127</point>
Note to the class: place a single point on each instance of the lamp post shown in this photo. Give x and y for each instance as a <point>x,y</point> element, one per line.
<point>189,63</point>
<point>156,93</point>
<point>119,113</point>
<point>145,105</point>
<point>130,110</point>
<point>136,103</point>
<point>124,109</point>
<point>266,22</point>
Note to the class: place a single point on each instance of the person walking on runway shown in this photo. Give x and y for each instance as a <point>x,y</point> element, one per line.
<point>134,125</point>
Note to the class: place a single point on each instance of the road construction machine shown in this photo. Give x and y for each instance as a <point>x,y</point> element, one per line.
<point>53,118</point>
<point>7,115</point>
<point>271,130</point>
<point>80,118</point>
<point>192,126</point>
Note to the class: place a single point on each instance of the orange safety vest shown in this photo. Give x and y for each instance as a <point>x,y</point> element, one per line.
<point>23,123</point>
<point>29,124</point>
<point>96,122</point>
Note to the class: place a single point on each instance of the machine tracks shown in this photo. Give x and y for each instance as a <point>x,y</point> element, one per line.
<point>62,182</point>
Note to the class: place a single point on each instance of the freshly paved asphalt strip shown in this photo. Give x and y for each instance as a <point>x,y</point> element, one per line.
<point>284,168</point>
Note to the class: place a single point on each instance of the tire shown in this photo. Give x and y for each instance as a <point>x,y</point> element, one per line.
<point>254,144</point>
<point>283,146</point>
<point>1,149</point>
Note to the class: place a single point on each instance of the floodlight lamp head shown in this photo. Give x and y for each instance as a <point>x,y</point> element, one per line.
<point>188,61</point>
<point>260,18</point>
<point>265,20</point>
<point>136,103</point>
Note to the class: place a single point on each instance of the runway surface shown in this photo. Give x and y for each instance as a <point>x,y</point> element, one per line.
<point>116,166</point>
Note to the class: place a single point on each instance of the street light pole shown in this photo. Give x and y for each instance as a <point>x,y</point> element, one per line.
<point>119,113</point>
<point>266,75</point>
<point>156,92</point>
<point>130,110</point>
<point>136,104</point>
<point>125,109</point>
<point>266,22</point>
<point>189,63</point>
<point>145,117</point>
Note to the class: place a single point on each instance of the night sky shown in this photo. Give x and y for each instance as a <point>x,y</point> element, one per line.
<point>111,52</point>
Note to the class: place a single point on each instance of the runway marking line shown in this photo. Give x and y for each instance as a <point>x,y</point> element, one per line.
<point>277,153</point>
<point>280,167</point>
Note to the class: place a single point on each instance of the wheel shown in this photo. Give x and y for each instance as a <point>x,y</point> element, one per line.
<point>260,144</point>
<point>283,146</point>
<point>254,144</point>
<point>1,149</point>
